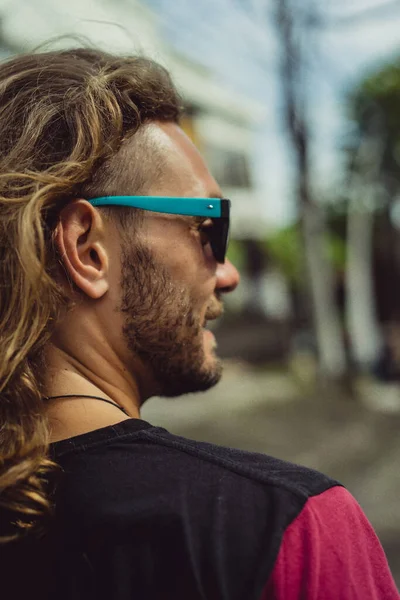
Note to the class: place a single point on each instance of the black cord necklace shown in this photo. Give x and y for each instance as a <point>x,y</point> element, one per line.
<point>83,396</point>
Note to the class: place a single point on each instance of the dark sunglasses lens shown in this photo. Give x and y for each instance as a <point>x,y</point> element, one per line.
<point>219,236</point>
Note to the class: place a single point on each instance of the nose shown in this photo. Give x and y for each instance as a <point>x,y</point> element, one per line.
<point>227,277</point>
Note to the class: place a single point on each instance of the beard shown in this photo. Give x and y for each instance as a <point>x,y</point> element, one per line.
<point>161,328</point>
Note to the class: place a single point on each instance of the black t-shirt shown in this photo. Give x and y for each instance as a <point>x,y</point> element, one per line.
<point>143,514</point>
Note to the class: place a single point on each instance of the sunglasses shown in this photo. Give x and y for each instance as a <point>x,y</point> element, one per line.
<point>216,209</point>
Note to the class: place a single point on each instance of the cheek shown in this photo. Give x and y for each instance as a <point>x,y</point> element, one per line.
<point>187,262</point>
<point>208,255</point>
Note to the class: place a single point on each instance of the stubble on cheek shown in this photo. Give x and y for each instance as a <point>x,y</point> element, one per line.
<point>161,327</point>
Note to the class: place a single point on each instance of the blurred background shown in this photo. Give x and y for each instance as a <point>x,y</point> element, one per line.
<point>295,105</point>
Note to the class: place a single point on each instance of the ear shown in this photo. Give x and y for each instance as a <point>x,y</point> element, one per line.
<point>81,241</point>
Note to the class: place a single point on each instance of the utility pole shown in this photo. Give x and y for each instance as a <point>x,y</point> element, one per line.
<point>293,22</point>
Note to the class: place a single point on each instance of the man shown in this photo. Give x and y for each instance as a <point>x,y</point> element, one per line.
<point>114,238</point>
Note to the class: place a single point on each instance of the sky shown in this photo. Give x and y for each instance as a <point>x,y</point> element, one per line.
<point>237,40</point>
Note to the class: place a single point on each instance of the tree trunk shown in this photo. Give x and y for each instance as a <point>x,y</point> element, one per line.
<point>327,326</point>
<point>361,319</point>
<point>328,330</point>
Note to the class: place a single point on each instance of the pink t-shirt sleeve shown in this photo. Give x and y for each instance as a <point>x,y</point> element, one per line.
<point>331,552</point>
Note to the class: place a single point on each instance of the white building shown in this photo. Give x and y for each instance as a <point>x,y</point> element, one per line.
<point>221,122</point>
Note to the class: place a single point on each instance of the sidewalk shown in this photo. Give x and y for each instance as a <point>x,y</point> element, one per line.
<point>267,412</point>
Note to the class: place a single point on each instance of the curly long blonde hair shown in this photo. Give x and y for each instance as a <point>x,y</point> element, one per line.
<point>63,117</point>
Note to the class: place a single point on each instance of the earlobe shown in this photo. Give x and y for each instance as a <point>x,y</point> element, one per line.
<point>81,243</point>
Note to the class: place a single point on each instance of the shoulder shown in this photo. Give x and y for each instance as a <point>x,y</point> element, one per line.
<point>218,504</point>
<point>255,517</point>
<point>249,492</point>
<point>153,450</point>
<point>331,551</point>
<point>162,460</point>
<point>244,467</point>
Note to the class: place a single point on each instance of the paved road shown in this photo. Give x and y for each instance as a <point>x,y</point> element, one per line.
<point>267,412</point>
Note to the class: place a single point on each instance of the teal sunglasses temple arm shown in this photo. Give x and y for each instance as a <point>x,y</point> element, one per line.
<point>217,209</point>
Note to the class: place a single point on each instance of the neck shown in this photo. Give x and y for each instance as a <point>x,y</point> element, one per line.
<point>69,417</point>
<point>65,376</point>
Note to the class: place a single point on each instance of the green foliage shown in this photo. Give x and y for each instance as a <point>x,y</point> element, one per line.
<point>236,254</point>
<point>378,96</point>
<point>374,107</point>
<point>285,247</point>
<point>335,248</point>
